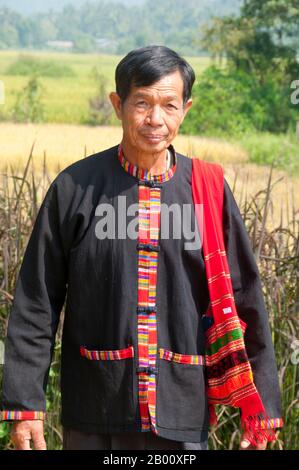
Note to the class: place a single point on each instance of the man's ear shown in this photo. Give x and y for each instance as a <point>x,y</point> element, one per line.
<point>116,103</point>
<point>186,108</point>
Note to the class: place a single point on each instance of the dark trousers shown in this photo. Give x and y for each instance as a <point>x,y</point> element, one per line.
<point>77,440</point>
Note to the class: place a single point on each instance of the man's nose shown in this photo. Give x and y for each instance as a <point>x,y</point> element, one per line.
<point>155,116</point>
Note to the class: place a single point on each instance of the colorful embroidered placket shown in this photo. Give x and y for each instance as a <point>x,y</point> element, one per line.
<point>149,200</point>
<point>149,222</point>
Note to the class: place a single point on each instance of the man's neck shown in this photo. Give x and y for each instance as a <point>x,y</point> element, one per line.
<point>153,162</point>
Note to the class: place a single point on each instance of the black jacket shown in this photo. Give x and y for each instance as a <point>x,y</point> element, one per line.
<point>64,260</point>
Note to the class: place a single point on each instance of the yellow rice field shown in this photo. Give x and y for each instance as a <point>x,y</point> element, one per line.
<point>62,144</point>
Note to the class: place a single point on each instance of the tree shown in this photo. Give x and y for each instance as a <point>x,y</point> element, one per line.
<point>100,108</point>
<point>28,106</point>
<point>253,90</point>
<point>259,41</point>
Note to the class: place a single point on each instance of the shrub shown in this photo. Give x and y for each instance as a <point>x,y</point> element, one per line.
<point>232,102</point>
<point>28,106</point>
<point>100,108</point>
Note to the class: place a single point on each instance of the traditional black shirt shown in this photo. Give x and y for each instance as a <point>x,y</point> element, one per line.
<point>133,343</point>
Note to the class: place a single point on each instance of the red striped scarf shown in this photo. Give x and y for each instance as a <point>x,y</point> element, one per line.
<point>229,375</point>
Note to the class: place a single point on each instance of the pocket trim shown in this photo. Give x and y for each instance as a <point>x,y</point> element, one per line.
<point>195,359</point>
<point>107,355</point>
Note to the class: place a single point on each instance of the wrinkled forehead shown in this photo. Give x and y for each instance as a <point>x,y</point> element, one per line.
<point>169,87</point>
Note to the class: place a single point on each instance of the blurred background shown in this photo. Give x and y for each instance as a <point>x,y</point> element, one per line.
<point>57,64</point>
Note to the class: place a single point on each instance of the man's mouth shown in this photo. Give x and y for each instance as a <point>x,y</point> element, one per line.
<point>154,137</point>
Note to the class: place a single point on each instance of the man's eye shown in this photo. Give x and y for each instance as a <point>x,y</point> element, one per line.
<point>141,102</point>
<point>172,106</point>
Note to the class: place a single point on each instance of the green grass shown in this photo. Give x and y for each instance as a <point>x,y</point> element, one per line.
<point>264,148</point>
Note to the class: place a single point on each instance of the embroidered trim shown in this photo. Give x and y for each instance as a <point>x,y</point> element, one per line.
<point>107,355</point>
<point>218,336</point>
<point>213,253</point>
<point>148,253</point>
<point>220,299</point>
<point>146,175</point>
<point>217,276</point>
<point>181,358</point>
<point>22,415</point>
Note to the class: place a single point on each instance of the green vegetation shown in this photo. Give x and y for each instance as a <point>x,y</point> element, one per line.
<point>265,148</point>
<point>100,108</point>
<point>234,102</point>
<point>248,97</point>
<point>28,106</point>
<point>28,65</point>
<point>253,92</point>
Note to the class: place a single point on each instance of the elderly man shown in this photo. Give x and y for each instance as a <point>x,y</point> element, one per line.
<point>133,371</point>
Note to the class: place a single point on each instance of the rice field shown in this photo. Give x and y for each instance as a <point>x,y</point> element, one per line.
<point>58,145</point>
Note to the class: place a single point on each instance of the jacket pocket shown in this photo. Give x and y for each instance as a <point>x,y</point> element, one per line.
<point>107,355</point>
<point>181,391</point>
<point>108,386</point>
<point>181,358</point>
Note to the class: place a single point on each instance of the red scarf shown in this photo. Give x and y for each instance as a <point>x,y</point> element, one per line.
<point>229,375</point>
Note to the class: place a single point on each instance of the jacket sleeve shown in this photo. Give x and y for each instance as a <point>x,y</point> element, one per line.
<point>251,308</point>
<point>34,316</point>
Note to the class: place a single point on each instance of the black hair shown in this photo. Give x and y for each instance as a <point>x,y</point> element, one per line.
<point>146,65</point>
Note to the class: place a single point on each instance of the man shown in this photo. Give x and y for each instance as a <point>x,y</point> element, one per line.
<point>132,370</point>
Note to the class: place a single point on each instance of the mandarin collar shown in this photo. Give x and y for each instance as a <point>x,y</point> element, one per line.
<point>146,175</point>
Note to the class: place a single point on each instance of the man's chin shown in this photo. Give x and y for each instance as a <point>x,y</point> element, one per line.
<point>149,144</point>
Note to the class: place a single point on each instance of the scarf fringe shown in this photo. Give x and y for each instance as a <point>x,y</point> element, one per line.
<point>255,426</point>
<point>256,432</point>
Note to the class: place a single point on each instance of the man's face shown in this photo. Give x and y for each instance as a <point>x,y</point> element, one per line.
<point>152,110</point>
